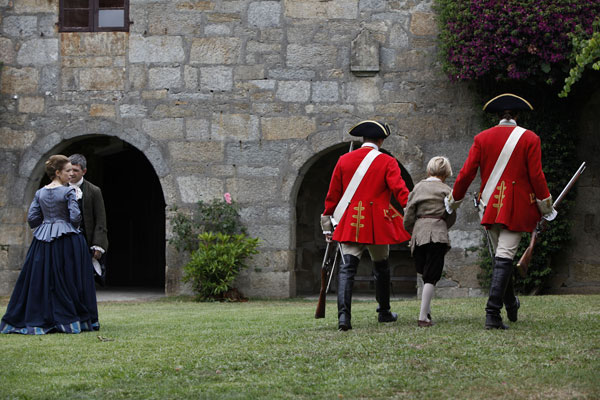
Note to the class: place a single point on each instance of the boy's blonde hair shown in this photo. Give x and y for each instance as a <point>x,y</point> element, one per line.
<point>439,166</point>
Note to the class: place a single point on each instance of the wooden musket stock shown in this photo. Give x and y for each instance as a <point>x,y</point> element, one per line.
<point>525,259</point>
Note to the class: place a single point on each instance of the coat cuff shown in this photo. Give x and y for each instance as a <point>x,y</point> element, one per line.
<point>545,206</point>
<point>326,224</point>
<point>451,204</point>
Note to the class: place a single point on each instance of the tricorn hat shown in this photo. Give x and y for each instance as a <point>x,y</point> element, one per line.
<point>507,101</point>
<point>371,129</point>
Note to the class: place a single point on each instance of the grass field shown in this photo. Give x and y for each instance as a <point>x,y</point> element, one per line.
<point>179,349</point>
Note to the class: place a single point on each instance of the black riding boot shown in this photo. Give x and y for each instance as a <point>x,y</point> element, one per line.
<point>344,291</point>
<point>511,302</point>
<point>501,273</point>
<point>381,271</point>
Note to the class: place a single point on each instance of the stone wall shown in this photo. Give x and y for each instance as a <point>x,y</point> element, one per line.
<point>236,96</point>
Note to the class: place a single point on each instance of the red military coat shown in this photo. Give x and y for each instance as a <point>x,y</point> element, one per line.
<point>369,218</point>
<point>513,202</point>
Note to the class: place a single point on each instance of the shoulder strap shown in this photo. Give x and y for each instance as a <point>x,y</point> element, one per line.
<point>359,174</point>
<point>501,163</point>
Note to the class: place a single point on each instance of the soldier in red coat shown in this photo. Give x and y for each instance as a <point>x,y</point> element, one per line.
<point>518,195</point>
<point>365,219</point>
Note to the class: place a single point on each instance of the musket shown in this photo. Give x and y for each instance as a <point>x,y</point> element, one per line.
<point>523,263</point>
<point>326,269</point>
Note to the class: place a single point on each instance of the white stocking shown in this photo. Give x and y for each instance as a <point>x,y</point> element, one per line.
<point>428,291</point>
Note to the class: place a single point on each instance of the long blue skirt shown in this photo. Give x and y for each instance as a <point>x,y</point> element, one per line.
<point>55,291</point>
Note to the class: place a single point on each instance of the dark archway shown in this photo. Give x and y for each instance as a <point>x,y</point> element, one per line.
<point>135,210</point>
<point>310,245</point>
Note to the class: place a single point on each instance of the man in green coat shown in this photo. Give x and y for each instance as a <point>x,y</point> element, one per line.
<point>91,203</point>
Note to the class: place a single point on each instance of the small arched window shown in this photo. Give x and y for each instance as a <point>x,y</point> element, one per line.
<point>94,15</point>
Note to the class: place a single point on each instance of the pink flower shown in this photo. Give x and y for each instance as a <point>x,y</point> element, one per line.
<point>227,198</point>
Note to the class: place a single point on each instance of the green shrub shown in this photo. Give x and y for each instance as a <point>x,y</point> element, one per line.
<point>217,243</point>
<point>216,262</point>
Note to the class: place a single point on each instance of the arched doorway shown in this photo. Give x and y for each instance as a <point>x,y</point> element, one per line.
<point>135,209</point>
<point>310,244</point>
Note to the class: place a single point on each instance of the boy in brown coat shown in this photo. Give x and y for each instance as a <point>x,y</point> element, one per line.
<point>426,219</point>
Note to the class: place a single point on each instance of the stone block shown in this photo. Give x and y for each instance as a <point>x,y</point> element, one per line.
<point>38,52</point>
<point>164,129</point>
<point>310,56</point>
<point>132,110</point>
<point>33,105</point>
<point>249,190</point>
<point>36,6</point>
<point>87,62</point>
<point>154,154</point>
<point>264,14</point>
<point>272,236</point>
<point>585,272</point>
<point>223,17</point>
<point>325,91</point>
<point>254,46</point>
<point>156,49</point>
<point>12,234</point>
<point>190,77</point>
<point>293,91</point>
<point>372,5</point>
<point>105,44</point>
<point>216,78</point>
<point>264,284</point>
<point>234,126</point>
<point>249,72</point>
<point>164,21</point>
<point>49,81</point>
<point>197,129</point>
<point>102,79</point>
<point>363,90</point>
<point>19,25</point>
<point>103,110</point>
<point>173,110</point>
<point>8,279</point>
<point>278,128</point>
<point>315,9</point>
<point>195,188</point>
<point>199,152</point>
<point>399,38</point>
<point>197,5</point>
<point>7,51</point>
<point>13,215</point>
<point>465,275</point>
<point>155,94</point>
<point>164,78</point>
<point>16,140</point>
<point>395,108</point>
<point>423,24</point>
<point>137,76</point>
<point>47,25</point>
<point>217,30</point>
<point>215,50</point>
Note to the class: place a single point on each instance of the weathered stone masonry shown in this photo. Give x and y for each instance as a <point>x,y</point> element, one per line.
<point>236,96</point>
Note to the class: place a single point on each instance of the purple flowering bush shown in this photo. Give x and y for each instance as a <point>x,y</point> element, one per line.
<point>512,39</point>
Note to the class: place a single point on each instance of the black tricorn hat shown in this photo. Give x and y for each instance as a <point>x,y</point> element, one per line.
<point>507,101</point>
<point>371,129</point>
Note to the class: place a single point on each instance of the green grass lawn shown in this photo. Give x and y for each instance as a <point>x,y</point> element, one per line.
<point>174,349</point>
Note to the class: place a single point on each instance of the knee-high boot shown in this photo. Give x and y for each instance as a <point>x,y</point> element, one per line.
<point>381,271</point>
<point>345,286</point>
<point>501,273</point>
<point>511,302</point>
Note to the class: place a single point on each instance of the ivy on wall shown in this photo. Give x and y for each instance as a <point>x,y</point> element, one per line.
<point>524,47</point>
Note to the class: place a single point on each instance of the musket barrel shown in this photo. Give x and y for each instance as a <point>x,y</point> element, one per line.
<point>570,184</point>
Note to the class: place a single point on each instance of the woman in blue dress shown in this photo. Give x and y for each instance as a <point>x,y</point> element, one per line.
<point>55,290</point>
